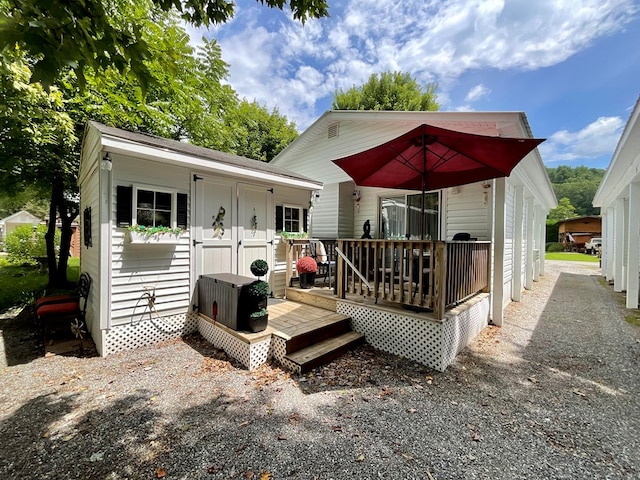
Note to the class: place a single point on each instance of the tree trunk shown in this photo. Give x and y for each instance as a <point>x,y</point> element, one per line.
<point>66,211</point>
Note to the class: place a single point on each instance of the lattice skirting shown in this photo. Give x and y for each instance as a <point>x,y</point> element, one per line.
<point>250,355</point>
<point>434,343</point>
<point>278,352</point>
<point>147,332</point>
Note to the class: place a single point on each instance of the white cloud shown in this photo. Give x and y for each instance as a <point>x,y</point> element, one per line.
<point>476,93</point>
<point>435,41</point>
<point>597,139</point>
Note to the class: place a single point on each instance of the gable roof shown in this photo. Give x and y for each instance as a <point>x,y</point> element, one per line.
<point>624,167</point>
<point>163,149</point>
<point>359,130</point>
<point>21,217</point>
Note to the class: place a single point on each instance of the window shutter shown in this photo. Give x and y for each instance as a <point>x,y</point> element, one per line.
<point>279,218</point>
<point>181,214</point>
<point>304,219</point>
<point>124,204</point>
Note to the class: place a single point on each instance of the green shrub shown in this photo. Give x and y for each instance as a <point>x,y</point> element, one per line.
<point>259,313</point>
<point>24,244</point>
<point>259,268</point>
<point>554,247</point>
<point>258,290</point>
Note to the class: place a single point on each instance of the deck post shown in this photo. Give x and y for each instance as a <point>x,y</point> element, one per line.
<point>440,280</point>
<point>340,284</point>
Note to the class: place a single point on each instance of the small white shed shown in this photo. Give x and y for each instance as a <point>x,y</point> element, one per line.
<point>228,210</point>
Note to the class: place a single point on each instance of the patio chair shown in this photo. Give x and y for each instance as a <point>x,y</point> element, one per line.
<point>325,264</point>
<point>461,237</point>
<point>53,309</point>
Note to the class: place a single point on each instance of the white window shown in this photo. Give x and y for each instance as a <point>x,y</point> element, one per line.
<point>291,219</point>
<point>150,207</point>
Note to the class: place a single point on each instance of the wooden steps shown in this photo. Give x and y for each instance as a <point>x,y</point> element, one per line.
<point>323,352</point>
<point>314,336</point>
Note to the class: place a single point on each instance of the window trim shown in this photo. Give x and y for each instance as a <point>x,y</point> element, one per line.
<point>303,218</point>
<point>132,208</point>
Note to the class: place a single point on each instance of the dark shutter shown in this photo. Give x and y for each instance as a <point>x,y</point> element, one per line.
<point>124,205</point>
<point>181,214</point>
<point>304,219</point>
<point>279,218</point>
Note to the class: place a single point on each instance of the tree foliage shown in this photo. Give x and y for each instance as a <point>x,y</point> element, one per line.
<point>103,34</point>
<point>388,91</point>
<point>578,185</point>
<point>563,211</point>
<point>258,133</point>
<point>186,100</point>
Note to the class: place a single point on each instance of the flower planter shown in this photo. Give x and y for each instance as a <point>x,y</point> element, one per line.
<point>138,238</point>
<point>307,280</point>
<point>258,323</point>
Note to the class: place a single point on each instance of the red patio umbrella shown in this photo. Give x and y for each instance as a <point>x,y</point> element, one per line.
<point>430,158</point>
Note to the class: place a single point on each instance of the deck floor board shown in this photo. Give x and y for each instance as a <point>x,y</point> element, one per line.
<point>291,318</point>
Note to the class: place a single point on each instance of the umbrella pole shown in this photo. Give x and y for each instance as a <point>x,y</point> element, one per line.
<point>424,184</point>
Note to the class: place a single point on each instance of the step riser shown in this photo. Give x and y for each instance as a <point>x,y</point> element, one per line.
<point>329,356</point>
<point>302,341</point>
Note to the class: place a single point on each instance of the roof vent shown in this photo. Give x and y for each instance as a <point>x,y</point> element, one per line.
<point>332,131</point>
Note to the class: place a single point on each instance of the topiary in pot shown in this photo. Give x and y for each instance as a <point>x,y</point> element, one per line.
<point>258,290</point>
<point>258,320</point>
<point>259,268</point>
<point>254,299</point>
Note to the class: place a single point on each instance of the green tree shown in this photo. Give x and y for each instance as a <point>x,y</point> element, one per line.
<point>388,91</point>
<point>563,211</point>
<point>258,133</point>
<point>40,129</point>
<point>578,184</point>
<point>96,35</point>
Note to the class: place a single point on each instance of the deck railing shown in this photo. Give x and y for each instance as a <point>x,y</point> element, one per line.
<point>432,275</point>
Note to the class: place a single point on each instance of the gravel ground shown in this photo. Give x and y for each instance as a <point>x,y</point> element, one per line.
<point>553,394</point>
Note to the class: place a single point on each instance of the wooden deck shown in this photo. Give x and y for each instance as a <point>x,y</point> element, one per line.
<point>290,319</point>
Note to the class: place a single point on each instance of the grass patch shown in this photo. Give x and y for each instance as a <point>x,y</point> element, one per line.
<point>633,320</point>
<point>571,257</point>
<point>18,283</point>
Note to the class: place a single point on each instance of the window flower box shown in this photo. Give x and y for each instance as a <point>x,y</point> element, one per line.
<point>154,236</point>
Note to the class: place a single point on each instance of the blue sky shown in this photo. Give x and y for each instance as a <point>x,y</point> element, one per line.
<point>572,66</point>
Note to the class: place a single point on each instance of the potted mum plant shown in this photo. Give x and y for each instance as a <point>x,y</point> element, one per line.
<point>255,298</point>
<point>307,268</point>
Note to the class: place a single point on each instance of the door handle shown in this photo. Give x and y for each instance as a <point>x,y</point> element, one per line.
<point>196,242</point>
<point>239,243</point>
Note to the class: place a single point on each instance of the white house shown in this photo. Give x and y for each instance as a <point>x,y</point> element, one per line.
<point>619,200</point>
<point>9,224</point>
<point>228,210</point>
<point>508,212</point>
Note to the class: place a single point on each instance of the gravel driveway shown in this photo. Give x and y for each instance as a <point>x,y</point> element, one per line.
<point>552,395</point>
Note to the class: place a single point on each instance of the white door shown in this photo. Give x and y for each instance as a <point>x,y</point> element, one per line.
<point>216,236</point>
<point>255,226</point>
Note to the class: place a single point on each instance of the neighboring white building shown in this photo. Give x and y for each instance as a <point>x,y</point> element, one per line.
<point>510,212</point>
<point>230,208</point>
<point>619,200</point>
<point>9,224</point>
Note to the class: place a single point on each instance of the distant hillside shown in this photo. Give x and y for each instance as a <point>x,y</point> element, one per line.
<point>579,185</point>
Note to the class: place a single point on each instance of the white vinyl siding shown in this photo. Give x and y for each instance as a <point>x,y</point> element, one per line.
<point>90,256</point>
<point>138,269</point>
<point>467,211</point>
